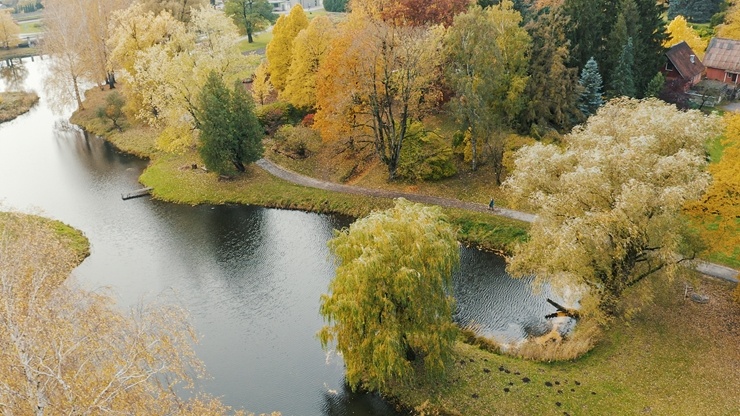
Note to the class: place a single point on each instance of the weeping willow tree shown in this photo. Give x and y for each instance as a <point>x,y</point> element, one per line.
<point>390,309</point>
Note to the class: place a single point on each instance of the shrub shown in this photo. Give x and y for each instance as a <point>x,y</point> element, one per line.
<point>425,156</point>
<point>335,5</point>
<point>277,114</point>
<point>296,142</point>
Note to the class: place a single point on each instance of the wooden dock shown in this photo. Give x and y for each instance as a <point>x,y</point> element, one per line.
<point>136,194</point>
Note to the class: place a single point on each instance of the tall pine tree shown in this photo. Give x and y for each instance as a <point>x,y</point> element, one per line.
<point>590,99</point>
<point>591,22</point>
<point>648,43</point>
<point>552,90</point>
<point>695,11</point>
<point>623,78</point>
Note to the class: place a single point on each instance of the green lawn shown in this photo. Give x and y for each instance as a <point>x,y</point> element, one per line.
<point>31,27</point>
<point>260,42</point>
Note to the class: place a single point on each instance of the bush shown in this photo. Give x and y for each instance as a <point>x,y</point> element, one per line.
<point>277,114</point>
<point>425,156</point>
<point>335,5</point>
<point>296,142</point>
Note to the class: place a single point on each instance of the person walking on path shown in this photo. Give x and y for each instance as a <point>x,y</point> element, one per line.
<point>490,205</point>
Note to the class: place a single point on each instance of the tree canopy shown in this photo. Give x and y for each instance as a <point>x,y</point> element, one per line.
<point>250,15</point>
<point>389,306</point>
<point>230,134</point>
<point>9,30</point>
<point>279,51</point>
<point>486,51</point>
<point>609,200</point>
<point>376,80</point>
<point>680,31</point>
<point>68,351</point>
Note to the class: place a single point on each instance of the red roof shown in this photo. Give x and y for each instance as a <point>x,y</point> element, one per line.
<point>685,60</point>
<point>723,54</point>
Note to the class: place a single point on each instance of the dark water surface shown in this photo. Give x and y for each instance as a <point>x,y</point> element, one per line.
<point>251,277</point>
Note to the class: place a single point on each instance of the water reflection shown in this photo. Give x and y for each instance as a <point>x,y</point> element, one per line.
<point>13,76</point>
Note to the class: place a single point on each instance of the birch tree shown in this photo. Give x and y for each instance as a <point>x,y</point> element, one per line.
<point>67,351</point>
<point>680,31</point>
<point>609,201</point>
<point>487,55</point>
<point>389,309</point>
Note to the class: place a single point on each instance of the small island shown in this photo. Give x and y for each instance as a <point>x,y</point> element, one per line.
<point>13,104</point>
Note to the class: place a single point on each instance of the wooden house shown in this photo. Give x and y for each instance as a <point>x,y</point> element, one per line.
<point>723,60</point>
<point>682,65</point>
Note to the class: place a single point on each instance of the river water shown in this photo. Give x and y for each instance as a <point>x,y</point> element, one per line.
<point>250,277</point>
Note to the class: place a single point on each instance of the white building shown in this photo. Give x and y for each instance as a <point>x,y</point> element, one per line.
<point>285,5</point>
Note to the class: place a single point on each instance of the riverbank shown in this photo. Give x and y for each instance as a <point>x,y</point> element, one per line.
<point>70,237</point>
<point>13,104</point>
<point>676,357</point>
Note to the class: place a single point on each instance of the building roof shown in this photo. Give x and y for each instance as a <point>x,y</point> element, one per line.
<point>723,54</point>
<point>685,60</point>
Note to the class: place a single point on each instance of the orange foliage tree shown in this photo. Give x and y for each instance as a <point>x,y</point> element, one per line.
<point>412,12</point>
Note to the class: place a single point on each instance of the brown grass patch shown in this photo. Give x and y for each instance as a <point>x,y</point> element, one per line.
<point>13,104</point>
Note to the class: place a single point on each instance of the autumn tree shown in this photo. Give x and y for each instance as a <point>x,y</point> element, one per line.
<point>230,134</point>
<point>261,86</point>
<point>169,75</point>
<point>486,55</point>
<point>720,202</point>
<point>179,9</point>
<point>376,80</point>
<point>389,311</point>
<point>113,109</point>
<point>65,38</point>
<point>730,28</point>
<point>609,200</point>
<point>280,49</point>
<point>9,30</point>
<point>68,351</point>
<point>591,95</point>
<point>680,31</point>
<point>250,15</point>
<point>412,12</point>
<point>552,89</point>
<point>310,48</point>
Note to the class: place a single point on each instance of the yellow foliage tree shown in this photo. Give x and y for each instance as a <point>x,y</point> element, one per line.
<point>722,199</point>
<point>9,30</point>
<point>261,86</point>
<point>310,48</point>
<point>280,49</point>
<point>730,29</point>
<point>680,31</point>
<point>68,351</point>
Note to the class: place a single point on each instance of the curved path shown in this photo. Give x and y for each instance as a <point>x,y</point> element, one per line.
<point>710,269</point>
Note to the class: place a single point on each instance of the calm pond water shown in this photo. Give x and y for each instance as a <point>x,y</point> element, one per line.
<point>251,277</point>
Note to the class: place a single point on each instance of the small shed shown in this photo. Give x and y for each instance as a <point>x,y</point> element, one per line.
<point>723,60</point>
<point>683,65</point>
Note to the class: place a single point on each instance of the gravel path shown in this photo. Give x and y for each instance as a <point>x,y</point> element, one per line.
<point>710,269</point>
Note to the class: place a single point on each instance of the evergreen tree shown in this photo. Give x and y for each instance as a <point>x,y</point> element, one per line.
<point>623,80</point>
<point>552,89</point>
<point>655,86</point>
<point>335,5</point>
<point>648,42</point>
<point>590,99</point>
<point>591,23</point>
<point>696,11</point>
<point>230,134</point>
<point>624,27</point>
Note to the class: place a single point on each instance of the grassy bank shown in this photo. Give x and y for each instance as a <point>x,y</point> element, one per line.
<point>677,357</point>
<point>174,180</point>
<point>13,104</point>
<point>69,236</point>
